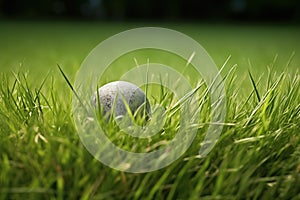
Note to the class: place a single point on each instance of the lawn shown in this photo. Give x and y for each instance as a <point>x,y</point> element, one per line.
<point>256,157</point>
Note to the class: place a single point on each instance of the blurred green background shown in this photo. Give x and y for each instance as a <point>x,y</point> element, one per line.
<point>39,46</point>
<point>38,35</point>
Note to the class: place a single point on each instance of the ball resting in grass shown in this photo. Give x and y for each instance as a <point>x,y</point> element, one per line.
<point>119,97</point>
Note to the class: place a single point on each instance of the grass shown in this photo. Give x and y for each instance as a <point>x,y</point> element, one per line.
<point>256,157</point>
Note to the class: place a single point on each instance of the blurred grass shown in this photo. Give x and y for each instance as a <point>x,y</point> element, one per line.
<point>40,45</point>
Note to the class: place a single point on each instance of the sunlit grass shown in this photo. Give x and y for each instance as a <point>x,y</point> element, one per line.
<point>256,157</point>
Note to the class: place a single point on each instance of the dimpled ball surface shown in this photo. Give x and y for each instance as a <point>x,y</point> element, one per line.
<point>114,93</point>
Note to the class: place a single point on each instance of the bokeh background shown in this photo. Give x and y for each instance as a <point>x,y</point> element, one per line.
<point>253,10</point>
<point>38,35</point>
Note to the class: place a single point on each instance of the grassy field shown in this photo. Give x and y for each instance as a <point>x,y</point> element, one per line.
<point>256,157</point>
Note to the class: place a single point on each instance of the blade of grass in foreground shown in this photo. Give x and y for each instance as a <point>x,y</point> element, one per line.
<point>70,85</point>
<point>254,86</point>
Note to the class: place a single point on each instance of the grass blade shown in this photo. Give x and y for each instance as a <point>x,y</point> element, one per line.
<point>254,86</point>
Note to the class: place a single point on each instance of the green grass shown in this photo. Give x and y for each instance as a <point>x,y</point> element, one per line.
<point>256,157</point>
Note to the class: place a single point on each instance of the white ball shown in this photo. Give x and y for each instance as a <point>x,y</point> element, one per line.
<point>114,94</point>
